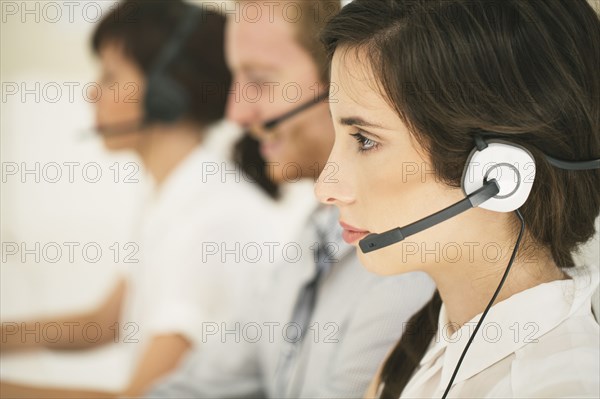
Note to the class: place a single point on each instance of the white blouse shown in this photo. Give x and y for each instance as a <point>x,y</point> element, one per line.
<point>200,234</point>
<point>543,342</point>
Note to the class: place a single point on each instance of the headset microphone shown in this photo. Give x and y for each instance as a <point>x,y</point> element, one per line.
<point>116,129</point>
<point>377,241</point>
<point>276,121</point>
<point>113,129</point>
<point>498,176</point>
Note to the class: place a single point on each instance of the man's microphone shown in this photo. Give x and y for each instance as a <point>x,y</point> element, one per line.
<point>270,124</point>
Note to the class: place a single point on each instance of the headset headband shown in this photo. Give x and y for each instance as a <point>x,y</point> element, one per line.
<point>173,46</point>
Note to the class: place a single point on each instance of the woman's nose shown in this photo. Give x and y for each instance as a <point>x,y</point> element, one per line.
<point>334,186</point>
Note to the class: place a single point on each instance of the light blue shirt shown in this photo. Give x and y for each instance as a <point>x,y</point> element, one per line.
<point>357,319</point>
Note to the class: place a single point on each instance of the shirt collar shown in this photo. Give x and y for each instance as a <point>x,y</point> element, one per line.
<point>511,324</point>
<point>326,218</point>
<point>196,176</point>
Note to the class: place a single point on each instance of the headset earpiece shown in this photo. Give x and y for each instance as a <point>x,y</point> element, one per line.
<point>165,100</point>
<point>513,168</point>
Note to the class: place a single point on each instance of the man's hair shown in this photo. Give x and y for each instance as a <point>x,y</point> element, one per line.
<point>312,16</point>
<point>315,15</point>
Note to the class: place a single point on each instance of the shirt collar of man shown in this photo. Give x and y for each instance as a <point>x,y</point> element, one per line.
<point>511,324</point>
<point>326,223</point>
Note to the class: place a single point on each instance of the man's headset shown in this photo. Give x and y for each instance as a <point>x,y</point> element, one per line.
<point>165,100</point>
<point>498,176</point>
<point>272,123</point>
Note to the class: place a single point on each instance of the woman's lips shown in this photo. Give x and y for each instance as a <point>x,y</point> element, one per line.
<point>352,234</point>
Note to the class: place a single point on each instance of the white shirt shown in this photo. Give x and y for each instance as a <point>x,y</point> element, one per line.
<point>540,343</point>
<point>200,234</point>
<point>357,318</point>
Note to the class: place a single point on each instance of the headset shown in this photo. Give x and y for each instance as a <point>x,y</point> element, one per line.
<point>272,123</point>
<point>165,100</point>
<point>498,176</point>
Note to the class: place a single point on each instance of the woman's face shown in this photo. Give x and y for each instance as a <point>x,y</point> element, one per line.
<point>384,179</point>
<point>120,98</point>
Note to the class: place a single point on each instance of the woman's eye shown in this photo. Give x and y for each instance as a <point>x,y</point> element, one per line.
<point>365,144</point>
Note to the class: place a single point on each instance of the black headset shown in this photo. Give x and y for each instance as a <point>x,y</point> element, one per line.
<point>166,100</point>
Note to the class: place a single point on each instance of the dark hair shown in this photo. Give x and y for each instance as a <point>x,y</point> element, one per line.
<point>144,27</point>
<point>313,16</point>
<point>246,154</point>
<point>527,71</point>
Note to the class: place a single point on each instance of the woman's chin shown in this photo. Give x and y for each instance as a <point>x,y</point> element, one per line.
<point>380,264</point>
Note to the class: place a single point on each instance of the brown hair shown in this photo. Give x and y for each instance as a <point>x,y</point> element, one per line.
<point>313,17</point>
<point>144,28</point>
<point>309,17</point>
<point>524,70</point>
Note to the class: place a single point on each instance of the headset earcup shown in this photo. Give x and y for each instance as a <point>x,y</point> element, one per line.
<point>165,100</point>
<point>512,166</point>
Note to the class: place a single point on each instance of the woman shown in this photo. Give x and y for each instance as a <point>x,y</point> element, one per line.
<point>164,84</point>
<point>422,86</point>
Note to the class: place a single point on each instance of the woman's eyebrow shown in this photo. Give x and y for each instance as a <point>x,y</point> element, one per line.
<point>358,121</point>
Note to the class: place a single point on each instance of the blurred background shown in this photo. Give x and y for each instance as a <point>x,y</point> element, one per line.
<point>58,183</point>
<point>67,205</point>
<point>64,198</point>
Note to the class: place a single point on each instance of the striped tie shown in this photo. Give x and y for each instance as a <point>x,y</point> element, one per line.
<point>329,236</point>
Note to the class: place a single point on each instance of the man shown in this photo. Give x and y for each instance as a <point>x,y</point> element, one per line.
<point>189,223</point>
<point>321,325</point>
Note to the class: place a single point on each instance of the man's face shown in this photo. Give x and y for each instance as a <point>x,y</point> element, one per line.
<point>273,74</point>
